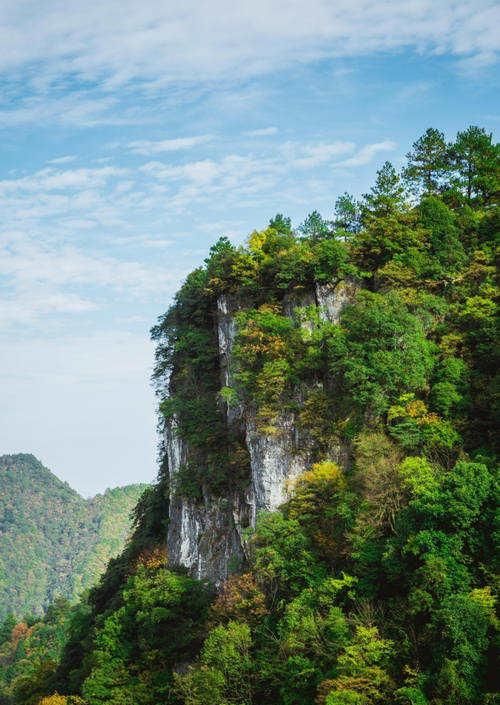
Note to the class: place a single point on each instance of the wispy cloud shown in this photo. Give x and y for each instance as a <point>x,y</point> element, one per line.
<point>367,153</point>
<point>308,156</point>
<point>46,279</point>
<point>150,147</point>
<point>51,216</point>
<point>62,160</point>
<point>52,179</point>
<point>240,177</point>
<point>88,56</point>
<point>262,132</point>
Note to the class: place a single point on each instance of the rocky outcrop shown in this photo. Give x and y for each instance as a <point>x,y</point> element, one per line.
<point>275,460</point>
<point>206,536</point>
<point>226,333</point>
<point>203,536</point>
<point>331,299</point>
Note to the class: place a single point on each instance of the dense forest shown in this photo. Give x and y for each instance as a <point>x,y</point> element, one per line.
<point>375,582</point>
<point>53,542</point>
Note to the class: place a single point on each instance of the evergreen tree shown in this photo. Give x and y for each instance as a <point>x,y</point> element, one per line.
<point>347,214</point>
<point>387,195</point>
<point>281,223</point>
<point>315,226</point>
<point>428,162</point>
<point>476,160</point>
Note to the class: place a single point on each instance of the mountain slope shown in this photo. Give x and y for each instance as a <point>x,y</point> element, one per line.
<point>53,541</point>
<point>329,463</point>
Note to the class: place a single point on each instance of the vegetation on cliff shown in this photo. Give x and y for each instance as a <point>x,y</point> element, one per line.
<point>375,582</point>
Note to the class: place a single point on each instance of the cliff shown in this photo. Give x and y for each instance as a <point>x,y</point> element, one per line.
<point>207,535</point>
<point>341,374</point>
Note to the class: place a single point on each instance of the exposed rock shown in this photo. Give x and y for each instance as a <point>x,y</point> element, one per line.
<point>226,333</point>
<point>206,536</point>
<point>333,298</point>
<point>275,460</point>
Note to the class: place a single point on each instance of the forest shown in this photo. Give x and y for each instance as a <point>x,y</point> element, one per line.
<point>375,582</point>
<point>53,542</point>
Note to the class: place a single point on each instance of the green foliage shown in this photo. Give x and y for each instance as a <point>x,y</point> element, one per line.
<point>225,665</point>
<point>283,561</point>
<point>161,617</point>
<point>374,582</point>
<point>347,215</point>
<point>362,677</point>
<point>428,162</point>
<point>324,509</point>
<point>446,250</point>
<point>382,352</point>
<point>52,541</point>
<point>475,157</point>
<point>29,651</point>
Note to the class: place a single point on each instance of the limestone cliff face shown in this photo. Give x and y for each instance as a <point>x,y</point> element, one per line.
<point>207,536</point>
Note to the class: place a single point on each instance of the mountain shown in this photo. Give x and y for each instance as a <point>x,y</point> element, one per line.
<point>53,542</point>
<point>321,531</point>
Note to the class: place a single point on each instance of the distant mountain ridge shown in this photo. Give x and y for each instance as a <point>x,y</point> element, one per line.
<point>54,542</point>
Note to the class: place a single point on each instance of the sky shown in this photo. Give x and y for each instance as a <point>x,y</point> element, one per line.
<point>134,134</point>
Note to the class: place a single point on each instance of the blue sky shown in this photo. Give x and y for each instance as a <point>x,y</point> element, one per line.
<point>133,134</point>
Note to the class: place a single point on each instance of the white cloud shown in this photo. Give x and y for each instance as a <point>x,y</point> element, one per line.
<point>262,132</point>
<point>366,154</point>
<point>238,178</point>
<point>50,107</point>
<point>62,160</point>
<point>50,179</point>
<point>30,304</point>
<point>310,156</point>
<point>28,263</point>
<point>63,250</point>
<point>53,56</point>
<point>148,147</point>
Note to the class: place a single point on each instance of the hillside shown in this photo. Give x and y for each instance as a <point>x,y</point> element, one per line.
<point>53,542</point>
<point>321,532</point>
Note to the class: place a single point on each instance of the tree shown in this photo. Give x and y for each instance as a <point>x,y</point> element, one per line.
<point>389,228</point>
<point>386,196</point>
<point>315,226</point>
<point>428,162</point>
<point>281,223</point>
<point>377,478</point>
<point>159,623</point>
<point>57,699</point>
<point>381,353</point>
<point>223,674</point>
<point>363,678</point>
<point>321,503</point>
<point>477,160</point>
<point>283,560</point>
<point>347,214</point>
<point>240,599</point>
<point>446,250</point>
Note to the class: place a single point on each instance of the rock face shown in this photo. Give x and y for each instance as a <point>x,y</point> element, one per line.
<point>332,299</point>
<point>206,536</point>
<point>275,460</point>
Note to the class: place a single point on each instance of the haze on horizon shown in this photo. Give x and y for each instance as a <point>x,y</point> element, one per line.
<point>134,135</point>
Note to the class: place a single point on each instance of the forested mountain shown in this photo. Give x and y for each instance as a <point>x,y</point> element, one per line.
<point>322,528</point>
<point>53,542</point>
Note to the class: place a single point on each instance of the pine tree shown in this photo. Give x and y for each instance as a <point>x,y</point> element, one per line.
<point>428,162</point>
<point>476,160</point>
